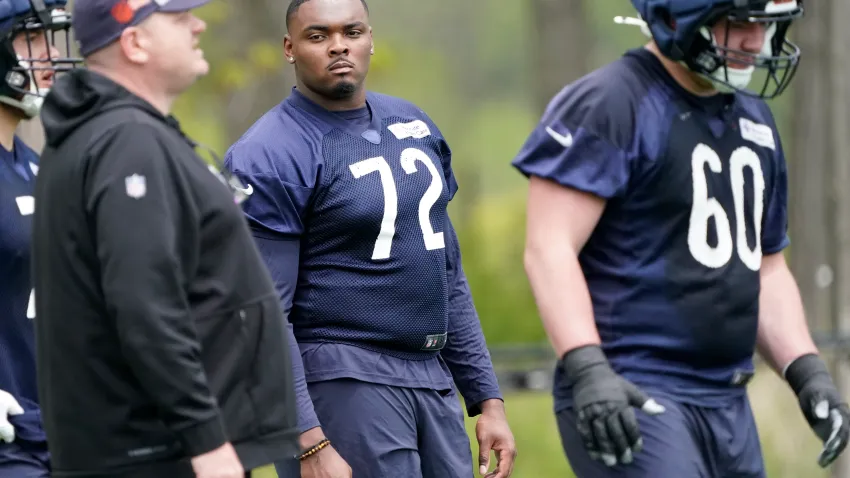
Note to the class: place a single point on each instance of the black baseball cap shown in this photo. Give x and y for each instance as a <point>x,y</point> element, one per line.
<point>97,23</point>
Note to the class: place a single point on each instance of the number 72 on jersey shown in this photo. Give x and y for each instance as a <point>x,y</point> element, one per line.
<point>383,244</point>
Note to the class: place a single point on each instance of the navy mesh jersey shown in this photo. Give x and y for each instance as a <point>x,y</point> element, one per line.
<point>17,340</point>
<point>369,203</point>
<point>696,194</point>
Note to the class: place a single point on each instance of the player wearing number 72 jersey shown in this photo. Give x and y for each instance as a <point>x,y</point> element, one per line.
<point>348,201</point>
<point>656,225</point>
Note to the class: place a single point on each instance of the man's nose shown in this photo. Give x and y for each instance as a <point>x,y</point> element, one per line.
<point>754,38</point>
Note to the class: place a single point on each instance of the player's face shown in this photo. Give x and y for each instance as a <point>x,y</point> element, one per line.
<point>747,37</point>
<point>172,43</point>
<point>33,46</point>
<point>331,43</point>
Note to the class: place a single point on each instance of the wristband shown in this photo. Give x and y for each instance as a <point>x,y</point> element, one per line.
<point>803,369</point>
<point>314,449</point>
<point>581,359</point>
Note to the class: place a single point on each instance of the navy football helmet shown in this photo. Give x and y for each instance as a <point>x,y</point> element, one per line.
<point>682,31</point>
<point>24,76</point>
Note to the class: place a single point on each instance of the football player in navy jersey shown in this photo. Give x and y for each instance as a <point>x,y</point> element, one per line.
<point>28,62</point>
<point>657,217</point>
<point>348,195</point>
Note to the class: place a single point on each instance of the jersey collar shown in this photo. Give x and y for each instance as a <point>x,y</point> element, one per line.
<point>371,134</point>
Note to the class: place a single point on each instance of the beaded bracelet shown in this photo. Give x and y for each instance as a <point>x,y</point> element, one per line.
<point>315,449</point>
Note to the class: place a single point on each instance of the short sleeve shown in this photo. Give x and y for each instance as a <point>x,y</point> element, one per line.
<point>446,157</point>
<point>774,234</point>
<point>583,140</point>
<point>280,188</point>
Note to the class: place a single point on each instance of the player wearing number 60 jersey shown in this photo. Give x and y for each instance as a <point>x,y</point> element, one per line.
<point>656,225</point>
<point>348,196</point>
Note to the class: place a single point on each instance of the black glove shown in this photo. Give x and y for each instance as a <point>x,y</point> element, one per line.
<point>603,402</point>
<point>823,407</point>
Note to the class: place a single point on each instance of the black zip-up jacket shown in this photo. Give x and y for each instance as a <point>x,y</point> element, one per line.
<point>160,335</point>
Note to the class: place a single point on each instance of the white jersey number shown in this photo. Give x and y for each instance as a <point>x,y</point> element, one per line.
<point>383,244</point>
<point>26,205</point>
<point>31,305</point>
<point>706,208</point>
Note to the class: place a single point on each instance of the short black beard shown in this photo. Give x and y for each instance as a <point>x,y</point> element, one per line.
<point>342,90</point>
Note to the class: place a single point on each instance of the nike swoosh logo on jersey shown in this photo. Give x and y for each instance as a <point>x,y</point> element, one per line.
<point>247,191</point>
<point>564,140</point>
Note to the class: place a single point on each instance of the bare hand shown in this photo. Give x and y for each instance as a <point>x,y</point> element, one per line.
<point>326,463</point>
<point>219,463</point>
<point>495,435</point>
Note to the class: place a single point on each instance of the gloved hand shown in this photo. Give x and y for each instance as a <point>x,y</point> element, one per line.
<point>603,402</point>
<point>8,407</point>
<point>822,405</point>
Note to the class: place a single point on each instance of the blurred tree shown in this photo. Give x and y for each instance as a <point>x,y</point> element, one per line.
<point>820,172</point>
<point>256,31</point>
<point>809,166</point>
<point>244,45</point>
<point>562,51</point>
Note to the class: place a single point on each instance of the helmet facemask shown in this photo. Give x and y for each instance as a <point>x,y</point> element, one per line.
<point>765,74</point>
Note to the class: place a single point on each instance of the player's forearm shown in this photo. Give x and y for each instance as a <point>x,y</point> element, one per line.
<point>561,293</point>
<point>307,418</point>
<point>783,334</point>
<point>466,352</point>
<point>281,257</point>
<point>468,359</point>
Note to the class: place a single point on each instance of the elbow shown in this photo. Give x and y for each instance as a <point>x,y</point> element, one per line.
<point>543,255</point>
<point>531,258</point>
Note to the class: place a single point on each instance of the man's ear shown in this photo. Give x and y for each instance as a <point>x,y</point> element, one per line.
<point>135,45</point>
<point>287,48</point>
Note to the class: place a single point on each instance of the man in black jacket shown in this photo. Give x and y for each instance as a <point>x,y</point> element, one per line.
<point>161,342</point>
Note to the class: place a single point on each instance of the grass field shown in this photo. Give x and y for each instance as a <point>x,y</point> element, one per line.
<point>789,446</point>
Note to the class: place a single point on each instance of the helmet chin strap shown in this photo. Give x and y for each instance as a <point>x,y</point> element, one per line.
<point>727,79</point>
<point>30,104</point>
